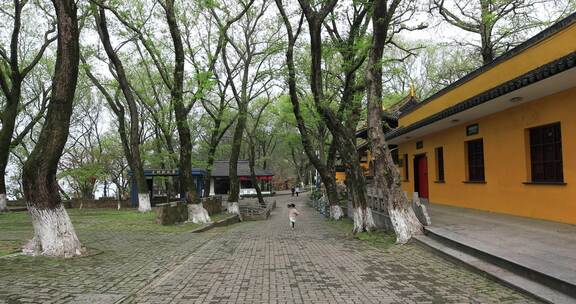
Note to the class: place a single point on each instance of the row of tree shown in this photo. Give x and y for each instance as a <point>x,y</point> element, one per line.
<point>350,73</point>
<point>112,86</point>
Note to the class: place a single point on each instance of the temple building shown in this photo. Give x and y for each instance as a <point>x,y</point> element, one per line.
<point>502,138</point>
<point>220,180</point>
<point>389,121</point>
<point>164,185</point>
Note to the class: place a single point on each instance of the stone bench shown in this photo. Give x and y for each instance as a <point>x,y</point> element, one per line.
<point>171,213</point>
<point>212,204</point>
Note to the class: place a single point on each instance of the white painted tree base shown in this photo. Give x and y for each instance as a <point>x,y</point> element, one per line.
<point>233,208</point>
<point>363,220</point>
<point>336,212</point>
<point>54,234</point>
<point>197,214</point>
<point>144,202</point>
<point>405,224</point>
<point>3,202</point>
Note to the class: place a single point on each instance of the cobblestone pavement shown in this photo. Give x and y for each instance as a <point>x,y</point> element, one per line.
<point>125,261</point>
<point>267,262</point>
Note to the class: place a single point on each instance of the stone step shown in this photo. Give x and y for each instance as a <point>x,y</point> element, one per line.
<point>516,260</point>
<point>501,270</point>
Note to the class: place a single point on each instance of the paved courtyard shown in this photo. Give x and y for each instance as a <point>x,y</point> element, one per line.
<point>251,262</point>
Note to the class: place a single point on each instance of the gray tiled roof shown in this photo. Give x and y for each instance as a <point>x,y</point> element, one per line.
<point>221,168</point>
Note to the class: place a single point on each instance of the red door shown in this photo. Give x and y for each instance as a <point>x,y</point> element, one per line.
<point>422,176</point>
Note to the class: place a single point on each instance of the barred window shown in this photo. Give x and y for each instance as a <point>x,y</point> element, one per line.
<point>440,164</point>
<point>406,171</point>
<point>475,160</point>
<point>546,153</point>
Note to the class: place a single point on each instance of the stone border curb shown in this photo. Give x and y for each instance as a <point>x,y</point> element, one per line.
<point>223,222</point>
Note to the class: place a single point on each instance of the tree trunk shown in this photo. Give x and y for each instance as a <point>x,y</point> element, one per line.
<point>332,194</point>
<point>264,154</point>
<point>158,146</point>
<point>143,197</point>
<point>3,196</point>
<point>326,175</point>
<point>235,153</point>
<point>3,202</point>
<point>211,153</point>
<point>54,234</point>
<point>181,114</point>
<point>386,177</point>
<point>356,184</point>
<point>118,194</point>
<point>486,24</point>
<point>350,109</point>
<point>12,101</point>
<point>186,182</point>
<point>487,51</point>
<point>87,191</point>
<point>208,179</point>
<point>336,212</point>
<point>345,143</point>
<point>345,136</point>
<point>185,162</point>
<point>252,164</point>
<point>135,160</point>
<point>11,79</point>
<point>8,123</point>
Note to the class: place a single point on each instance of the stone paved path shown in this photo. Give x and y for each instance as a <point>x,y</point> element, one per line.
<point>127,261</point>
<point>267,262</point>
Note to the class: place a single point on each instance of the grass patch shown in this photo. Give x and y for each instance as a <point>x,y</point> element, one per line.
<point>9,246</point>
<point>378,239</point>
<point>14,221</point>
<point>219,216</point>
<point>345,224</point>
<point>123,220</point>
<point>17,226</point>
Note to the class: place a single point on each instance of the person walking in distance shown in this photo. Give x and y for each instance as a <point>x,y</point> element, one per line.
<point>292,214</point>
<point>297,190</point>
<point>293,190</point>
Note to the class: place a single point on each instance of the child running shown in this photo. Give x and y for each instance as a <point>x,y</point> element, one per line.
<point>292,214</point>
